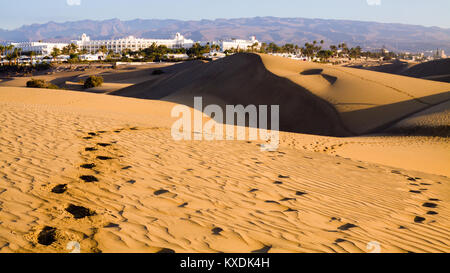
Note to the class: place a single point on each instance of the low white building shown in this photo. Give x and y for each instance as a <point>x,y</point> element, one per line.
<point>92,57</point>
<point>214,55</point>
<point>292,56</point>
<point>440,54</point>
<point>180,56</point>
<point>38,47</point>
<point>132,43</point>
<point>238,44</point>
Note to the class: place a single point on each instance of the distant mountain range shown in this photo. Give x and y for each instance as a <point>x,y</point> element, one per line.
<point>369,35</point>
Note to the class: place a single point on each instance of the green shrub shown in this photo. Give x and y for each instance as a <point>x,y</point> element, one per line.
<point>52,86</point>
<point>34,83</point>
<point>43,66</point>
<point>93,81</point>
<point>37,83</point>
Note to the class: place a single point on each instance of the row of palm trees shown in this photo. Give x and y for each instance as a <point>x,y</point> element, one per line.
<point>11,53</point>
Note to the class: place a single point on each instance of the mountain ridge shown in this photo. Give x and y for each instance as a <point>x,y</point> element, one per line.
<point>369,35</point>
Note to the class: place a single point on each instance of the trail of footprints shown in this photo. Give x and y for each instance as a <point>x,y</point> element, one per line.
<point>418,188</point>
<point>47,236</point>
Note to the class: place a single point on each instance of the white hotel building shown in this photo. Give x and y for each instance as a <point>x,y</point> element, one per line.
<point>131,43</point>
<point>238,44</point>
<point>38,47</point>
<point>134,44</point>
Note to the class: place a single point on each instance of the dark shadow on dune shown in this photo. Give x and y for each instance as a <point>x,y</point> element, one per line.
<point>388,127</point>
<point>329,78</point>
<point>439,131</point>
<point>436,70</point>
<point>242,79</point>
<point>312,72</point>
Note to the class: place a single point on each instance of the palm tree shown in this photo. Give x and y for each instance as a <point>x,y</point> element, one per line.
<point>15,55</point>
<point>9,57</point>
<point>55,53</point>
<point>73,48</point>
<point>2,49</point>
<point>32,54</point>
<point>103,49</point>
<point>9,48</point>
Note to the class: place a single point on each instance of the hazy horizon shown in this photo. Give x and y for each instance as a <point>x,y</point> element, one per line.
<point>413,12</point>
<point>213,19</point>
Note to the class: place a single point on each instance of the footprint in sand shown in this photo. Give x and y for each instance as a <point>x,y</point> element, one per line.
<point>432,213</point>
<point>183,205</point>
<point>47,236</point>
<point>88,166</point>
<point>347,226</point>
<point>300,193</point>
<point>419,219</point>
<point>166,251</point>
<point>104,144</point>
<point>283,176</point>
<point>104,158</point>
<point>216,231</point>
<point>159,192</point>
<point>430,205</point>
<point>253,190</point>
<point>89,178</point>
<point>111,225</point>
<point>265,249</point>
<point>60,189</point>
<point>79,212</point>
<point>278,183</point>
<point>90,149</point>
<point>127,168</point>
<point>287,199</point>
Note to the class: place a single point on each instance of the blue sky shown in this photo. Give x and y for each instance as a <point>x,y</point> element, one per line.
<point>15,13</point>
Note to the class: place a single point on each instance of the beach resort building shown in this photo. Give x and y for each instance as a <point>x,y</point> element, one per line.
<point>132,43</point>
<point>440,54</point>
<point>38,47</point>
<point>238,44</point>
<point>92,57</point>
<point>214,55</point>
<point>180,56</point>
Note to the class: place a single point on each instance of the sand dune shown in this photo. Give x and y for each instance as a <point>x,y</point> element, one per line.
<point>434,121</point>
<point>104,171</point>
<point>436,70</point>
<point>313,98</point>
<point>73,78</point>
